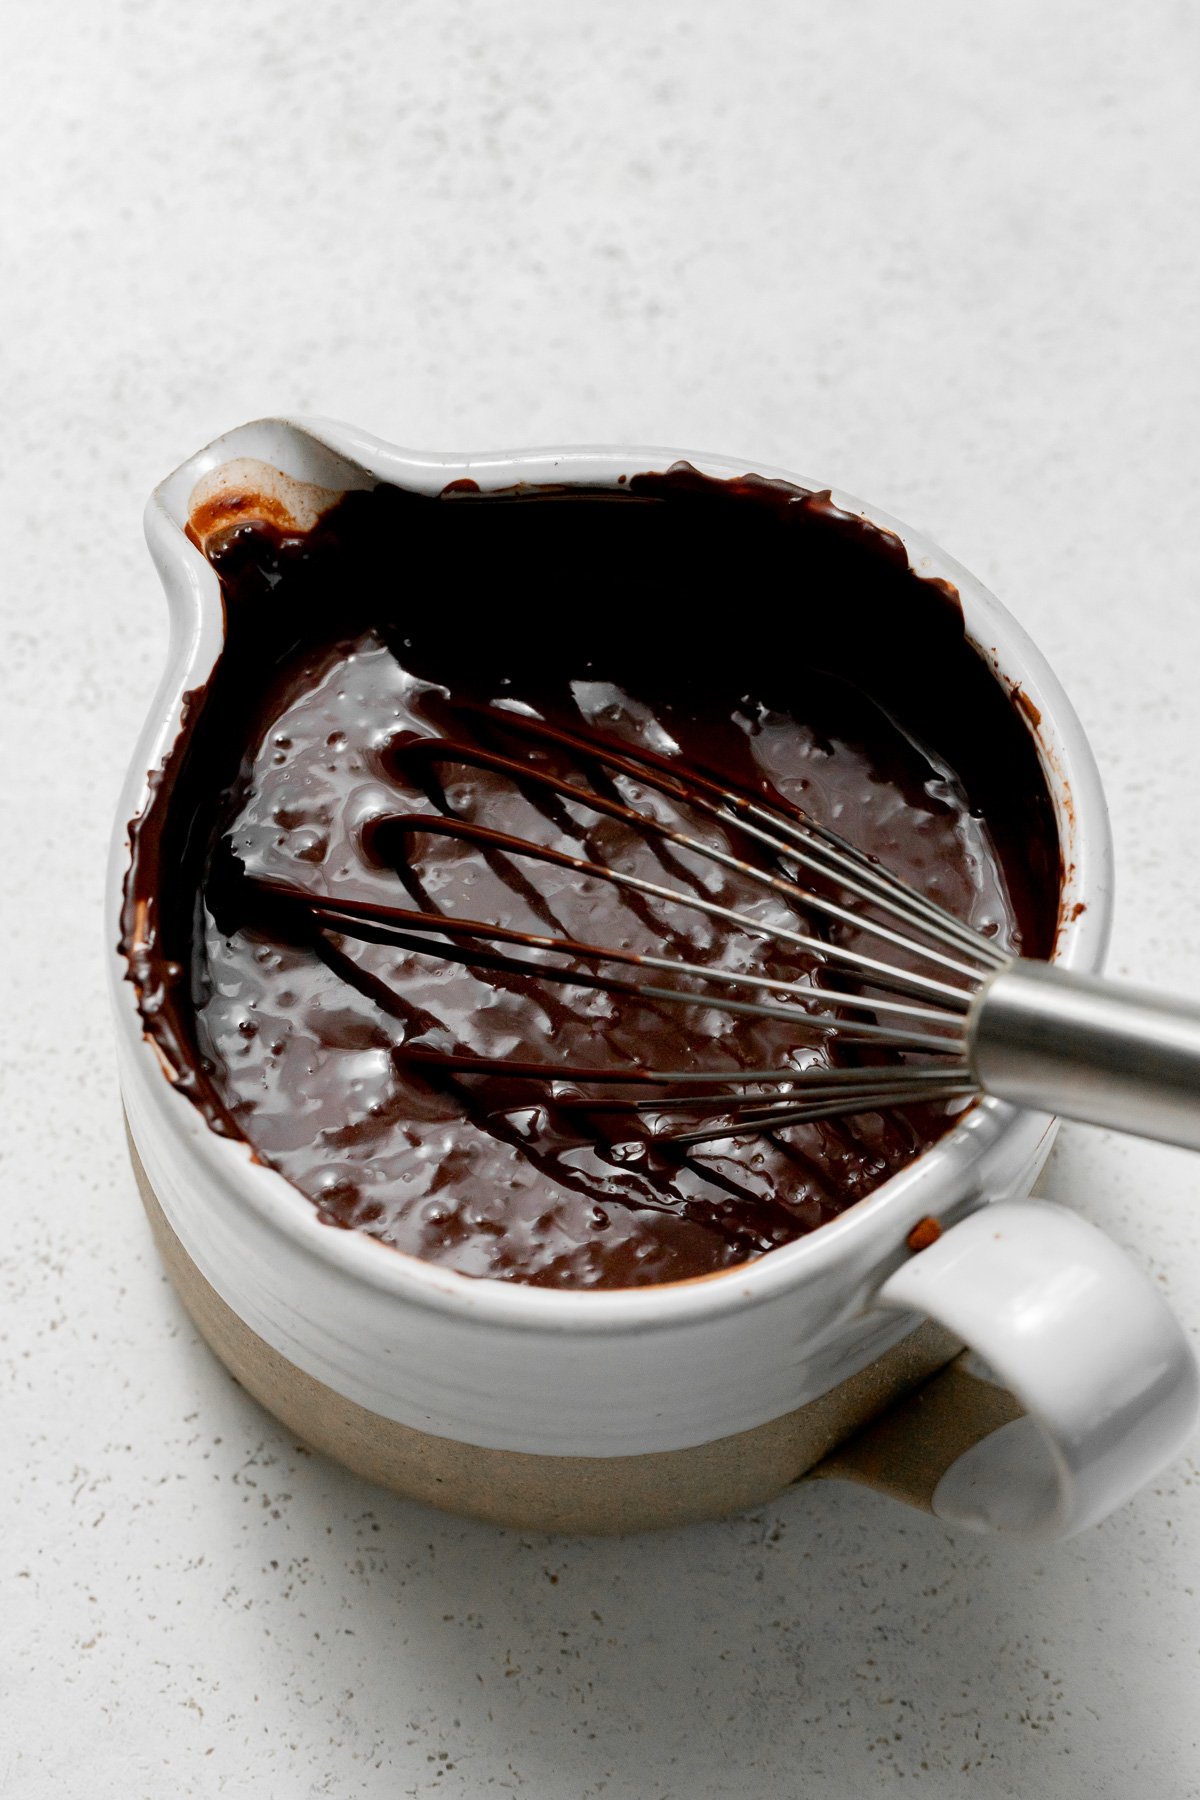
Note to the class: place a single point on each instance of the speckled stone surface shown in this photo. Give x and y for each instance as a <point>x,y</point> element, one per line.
<point>944,257</point>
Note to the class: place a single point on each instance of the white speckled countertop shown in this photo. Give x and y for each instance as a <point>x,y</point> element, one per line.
<point>944,257</point>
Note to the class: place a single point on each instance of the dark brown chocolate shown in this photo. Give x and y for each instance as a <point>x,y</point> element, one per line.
<point>744,629</point>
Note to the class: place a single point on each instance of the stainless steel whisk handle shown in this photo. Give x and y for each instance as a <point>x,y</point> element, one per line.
<point>1089,1049</point>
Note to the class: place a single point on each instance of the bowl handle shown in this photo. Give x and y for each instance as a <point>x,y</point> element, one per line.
<point>1102,1387</point>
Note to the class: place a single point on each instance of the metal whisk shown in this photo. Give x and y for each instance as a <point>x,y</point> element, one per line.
<point>980,1020</point>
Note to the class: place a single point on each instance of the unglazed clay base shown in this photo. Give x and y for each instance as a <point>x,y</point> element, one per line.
<point>904,1454</point>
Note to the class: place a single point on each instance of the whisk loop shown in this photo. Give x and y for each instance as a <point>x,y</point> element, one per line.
<point>907,1009</point>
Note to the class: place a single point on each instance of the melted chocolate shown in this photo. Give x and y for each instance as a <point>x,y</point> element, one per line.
<point>743,629</point>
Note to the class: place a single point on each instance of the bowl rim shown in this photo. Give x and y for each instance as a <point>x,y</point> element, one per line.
<point>196,620</point>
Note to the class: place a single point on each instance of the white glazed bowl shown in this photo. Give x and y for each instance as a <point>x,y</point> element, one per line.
<point>614,1373</point>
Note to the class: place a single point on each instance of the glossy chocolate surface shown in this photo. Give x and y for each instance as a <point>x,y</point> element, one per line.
<point>739,628</point>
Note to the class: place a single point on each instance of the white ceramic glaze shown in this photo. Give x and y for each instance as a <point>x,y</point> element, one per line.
<point>1082,1338</point>
<point>627,1371</point>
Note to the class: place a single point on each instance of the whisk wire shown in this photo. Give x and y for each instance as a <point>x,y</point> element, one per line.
<point>868,968</point>
<point>396,925</point>
<point>446,750</point>
<point>842,859</point>
<point>839,1108</point>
